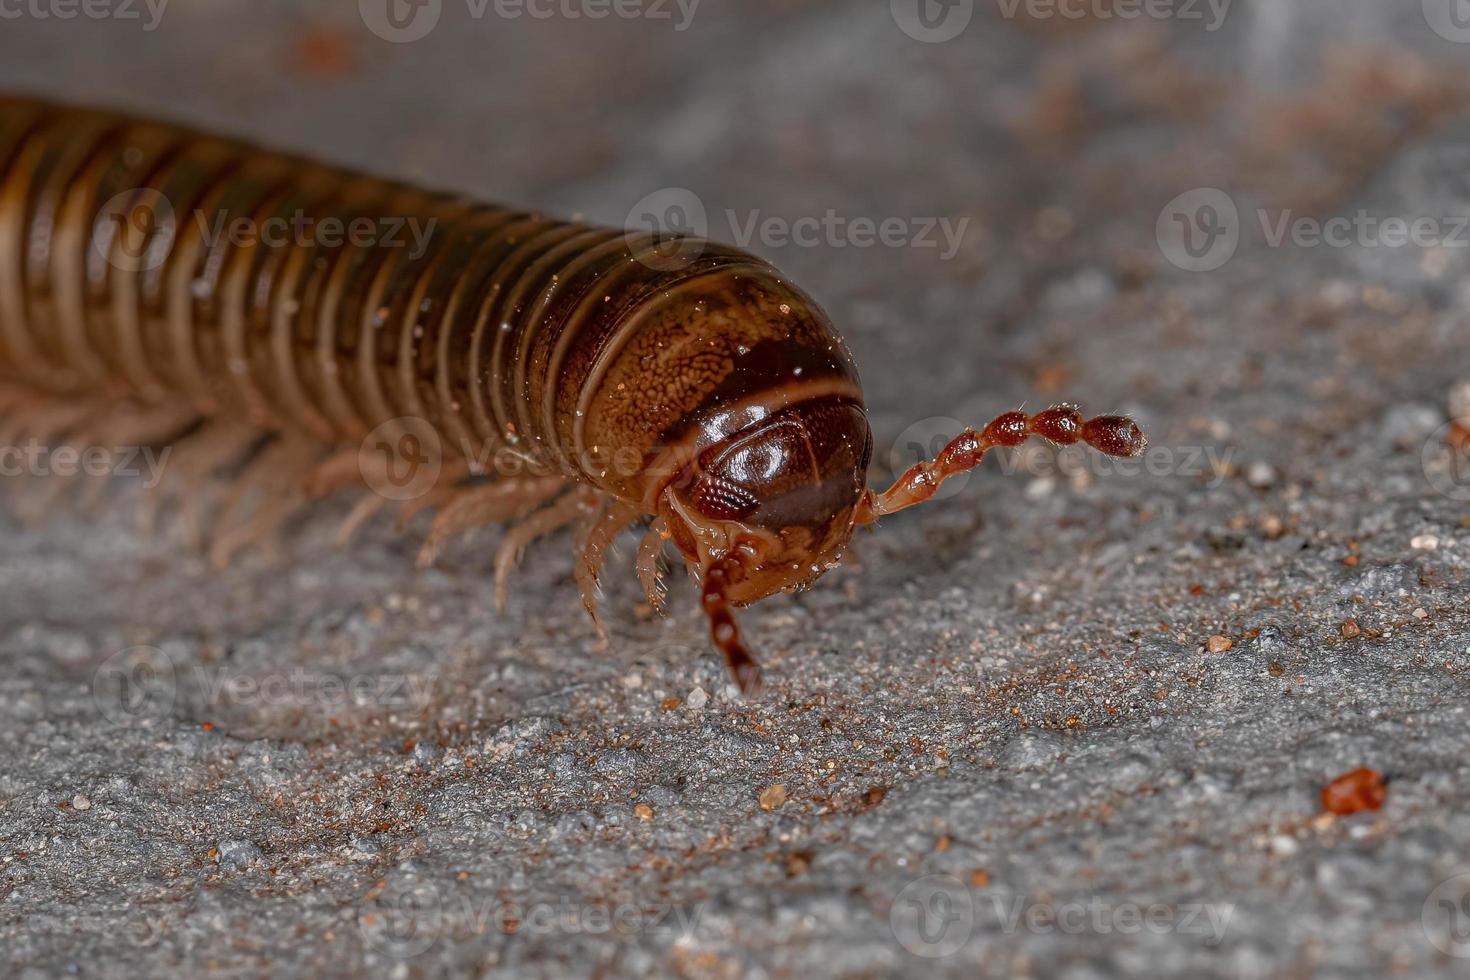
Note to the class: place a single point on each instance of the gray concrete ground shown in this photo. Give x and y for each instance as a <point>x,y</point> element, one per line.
<point>1000,742</point>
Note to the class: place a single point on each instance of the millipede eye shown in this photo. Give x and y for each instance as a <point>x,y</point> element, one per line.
<point>722,500</point>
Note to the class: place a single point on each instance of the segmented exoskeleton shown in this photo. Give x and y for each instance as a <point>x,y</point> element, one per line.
<point>635,374</point>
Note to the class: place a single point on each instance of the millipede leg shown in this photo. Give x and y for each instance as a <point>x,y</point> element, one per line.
<point>447,489</point>
<point>561,512</point>
<point>361,513</point>
<point>339,470</point>
<point>1110,434</point>
<point>649,550</point>
<point>477,506</point>
<point>191,474</point>
<point>744,669</point>
<point>124,430</point>
<point>271,483</point>
<point>600,536</point>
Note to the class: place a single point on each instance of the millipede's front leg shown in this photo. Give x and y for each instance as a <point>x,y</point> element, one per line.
<point>1063,424</point>
<point>744,669</point>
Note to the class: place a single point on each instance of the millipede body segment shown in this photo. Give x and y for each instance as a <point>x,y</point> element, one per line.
<point>635,375</point>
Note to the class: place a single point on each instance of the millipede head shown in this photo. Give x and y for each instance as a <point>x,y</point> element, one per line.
<point>772,507</point>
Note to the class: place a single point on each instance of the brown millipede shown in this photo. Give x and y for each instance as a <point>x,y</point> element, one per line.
<point>636,375</point>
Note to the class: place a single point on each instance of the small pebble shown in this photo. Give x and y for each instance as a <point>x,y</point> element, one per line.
<point>643,812</point>
<point>1350,629</point>
<point>697,699</point>
<point>80,802</point>
<point>1260,474</point>
<point>1354,792</point>
<point>1219,644</point>
<point>1459,401</point>
<point>772,797</point>
<point>1424,542</point>
<point>1283,845</point>
<point>1421,613</point>
<point>238,853</point>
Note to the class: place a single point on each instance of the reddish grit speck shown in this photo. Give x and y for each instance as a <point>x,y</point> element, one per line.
<point>1354,792</point>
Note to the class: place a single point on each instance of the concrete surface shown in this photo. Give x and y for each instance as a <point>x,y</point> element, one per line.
<point>1002,741</point>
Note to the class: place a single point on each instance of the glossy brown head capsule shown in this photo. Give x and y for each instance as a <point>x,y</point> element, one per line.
<point>769,507</point>
<point>278,364</point>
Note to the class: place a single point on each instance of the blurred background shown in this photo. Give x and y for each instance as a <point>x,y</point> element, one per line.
<point>1247,223</point>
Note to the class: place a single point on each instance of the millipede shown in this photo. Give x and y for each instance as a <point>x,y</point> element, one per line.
<point>637,376</point>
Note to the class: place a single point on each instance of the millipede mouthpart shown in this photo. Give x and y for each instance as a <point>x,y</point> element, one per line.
<point>635,376</point>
